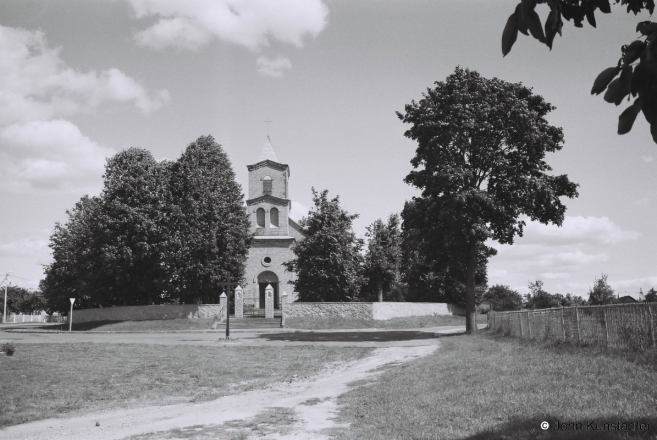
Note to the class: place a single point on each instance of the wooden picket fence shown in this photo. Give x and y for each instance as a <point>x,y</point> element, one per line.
<point>617,325</point>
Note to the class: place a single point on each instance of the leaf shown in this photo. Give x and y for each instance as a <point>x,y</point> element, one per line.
<point>509,35</point>
<point>550,32</point>
<point>613,91</point>
<point>604,6</point>
<point>627,118</point>
<point>646,27</point>
<point>590,13</point>
<point>653,132</point>
<point>521,23</point>
<point>640,79</point>
<point>535,27</point>
<point>527,6</point>
<point>633,51</point>
<point>603,80</point>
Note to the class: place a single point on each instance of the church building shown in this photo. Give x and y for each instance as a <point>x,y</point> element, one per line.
<point>274,232</point>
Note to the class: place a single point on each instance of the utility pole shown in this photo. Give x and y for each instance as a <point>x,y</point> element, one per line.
<point>4,311</point>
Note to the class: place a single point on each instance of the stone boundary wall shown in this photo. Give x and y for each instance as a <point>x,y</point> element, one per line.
<point>357,310</point>
<point>363,310</point>
<point>147,313</point>
<point>388,310</point>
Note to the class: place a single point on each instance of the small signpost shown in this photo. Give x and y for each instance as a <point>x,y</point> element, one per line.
<point>227,284</point>
<point>70,316</point>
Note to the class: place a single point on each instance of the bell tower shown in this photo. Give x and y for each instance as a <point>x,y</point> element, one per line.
<point>268,202</point>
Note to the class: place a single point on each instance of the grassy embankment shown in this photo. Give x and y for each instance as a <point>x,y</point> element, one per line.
<point>293,323</point>
<point>490,387</point>
<point>48,380</point>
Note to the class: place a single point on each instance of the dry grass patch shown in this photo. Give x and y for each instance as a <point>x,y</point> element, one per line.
<point>488,387</point>
<point>48,380</point>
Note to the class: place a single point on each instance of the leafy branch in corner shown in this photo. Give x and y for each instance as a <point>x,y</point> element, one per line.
<point>635,75</point>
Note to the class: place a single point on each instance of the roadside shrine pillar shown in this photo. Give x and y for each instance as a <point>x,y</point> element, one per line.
<point>239,302</point>
<point>269,302</point>
<point>223,303</point>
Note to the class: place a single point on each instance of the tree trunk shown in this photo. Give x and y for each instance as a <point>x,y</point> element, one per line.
<point>379,286</point>
<point>470,318</point>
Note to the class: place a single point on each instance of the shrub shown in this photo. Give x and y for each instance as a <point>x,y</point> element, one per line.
<point>9,349</point>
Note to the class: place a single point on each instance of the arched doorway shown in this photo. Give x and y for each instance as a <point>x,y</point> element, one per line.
<point>265,278</point>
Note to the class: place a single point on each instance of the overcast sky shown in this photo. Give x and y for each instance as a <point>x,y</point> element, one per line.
<point>81,80</point>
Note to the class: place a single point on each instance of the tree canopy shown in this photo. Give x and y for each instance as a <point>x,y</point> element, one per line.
<point>428,267</point>
<point>327,261</point>
<point>503,298</point>
<point>480,165</point>
<point>601,292</point>
<point>636,69</point>
<point>383,257</point>
<point>158,232</point>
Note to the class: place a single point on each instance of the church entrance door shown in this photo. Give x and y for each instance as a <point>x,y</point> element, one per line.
<point>264,279</point>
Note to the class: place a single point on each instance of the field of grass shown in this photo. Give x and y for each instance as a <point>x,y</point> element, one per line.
<point>395,323</point>
<point>48,380</point>
<point>490,387</point>
<point>138,326</point>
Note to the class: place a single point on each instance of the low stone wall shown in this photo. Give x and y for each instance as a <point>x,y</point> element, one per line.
<point>377,310</point>
<point>355,310</point>
<point>388,310</point>
<point>147,313</point>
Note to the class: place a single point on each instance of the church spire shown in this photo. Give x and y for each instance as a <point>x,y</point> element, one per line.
<point>267,153</point>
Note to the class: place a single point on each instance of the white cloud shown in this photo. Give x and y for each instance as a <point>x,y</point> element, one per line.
<point>592,230</point>
<point>647,159</point>
<point>31,247</point>
<point>274,67</point>
<point>558,256</point>
<point>191,24</point>
<point>50,156</point>
<point>36,84</point>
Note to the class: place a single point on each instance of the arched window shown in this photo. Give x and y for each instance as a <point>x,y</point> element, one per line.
<point>266,185</point>
<point>273,217</point>
<point>260,217</point>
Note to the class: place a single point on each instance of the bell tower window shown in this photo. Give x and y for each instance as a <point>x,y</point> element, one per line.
<point>273,217</point>
<point>260,217</point>
<point>266,185</point>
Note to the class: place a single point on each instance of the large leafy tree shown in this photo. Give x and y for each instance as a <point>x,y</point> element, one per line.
<point>157,232</point>
<point>429,270</point>
<point>537,298</point>
<point>131,230</point>
<point>208,224</point>
<point>636,71</point>
<point>480,165</point>
<point>383,256</point>
<point>601,292</point>
<point>327,261</point>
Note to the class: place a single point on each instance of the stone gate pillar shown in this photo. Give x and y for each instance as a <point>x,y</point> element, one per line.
<point>283,308</point>
<point>269,301</point>
<point>223,303</point>
<point>239,302</point>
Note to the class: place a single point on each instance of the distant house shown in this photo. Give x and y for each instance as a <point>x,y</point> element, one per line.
<point>626,300</point>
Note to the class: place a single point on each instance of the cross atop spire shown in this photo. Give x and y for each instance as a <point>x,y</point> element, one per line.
<point>268,122</point>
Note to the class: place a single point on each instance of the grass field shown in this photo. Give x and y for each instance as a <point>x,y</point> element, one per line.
<point>395,323</point>
<point>295,323</point>
<point>489,387</point>
<point>48,380</point>
<point>137,326</point>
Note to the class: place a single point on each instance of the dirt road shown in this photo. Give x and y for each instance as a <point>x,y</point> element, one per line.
<point>322,389</point>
